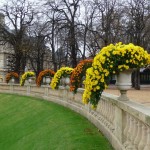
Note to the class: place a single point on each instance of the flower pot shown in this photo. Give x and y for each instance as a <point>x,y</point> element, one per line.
<point>31,80</point>
<point>123,83</point>
<point>62,81</point>
<point>12,80</point>
<point>47,80</point>
<point>67,81</point>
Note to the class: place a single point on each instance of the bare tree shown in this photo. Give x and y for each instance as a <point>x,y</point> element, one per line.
<point>138,12</point>
<point>36,43</point>
<point>19,15</point>
<point>105,17</point>
<point>68,11</point>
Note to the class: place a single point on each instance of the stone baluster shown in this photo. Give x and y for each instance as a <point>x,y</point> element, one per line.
<point>113,114</point>
<point>126,129</point>
<point>28,89</point>
<point>143,141</point>
<point>99,107</point>
<point>102,110</point>
<point>134,130</point>
<point>132,133</point>
<point>147,145</point>
<point>102,107</point>
<point>110,113</point>
<point>107,110</point>
<point>138,136</point>
<point>112,117</point>
<point>107,113</point>
<point>129,132</point>
<point>46,91</point>
<point>104,113</point>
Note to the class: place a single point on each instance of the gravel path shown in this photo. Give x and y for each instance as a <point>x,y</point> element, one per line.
<point>141,96</point>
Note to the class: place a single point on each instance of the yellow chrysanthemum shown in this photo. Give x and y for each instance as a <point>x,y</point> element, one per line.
<point>111,60</point>
<point>62,72</point>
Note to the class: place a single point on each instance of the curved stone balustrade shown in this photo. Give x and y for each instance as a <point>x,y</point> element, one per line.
<point>126,124</point>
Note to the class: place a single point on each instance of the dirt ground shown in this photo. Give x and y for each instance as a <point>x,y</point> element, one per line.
<point>141,96</point>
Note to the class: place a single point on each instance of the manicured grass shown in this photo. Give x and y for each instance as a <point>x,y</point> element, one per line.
<point>28,123</point>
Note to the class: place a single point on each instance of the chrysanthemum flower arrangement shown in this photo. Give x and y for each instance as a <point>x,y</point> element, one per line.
<point>25,76</point>
<point>10,75</point>
<point>62,72</point>
<point>78,73</point>
<point>112,59</point>
<point>47,72</point>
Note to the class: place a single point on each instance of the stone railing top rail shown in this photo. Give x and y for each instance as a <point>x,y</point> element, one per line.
<point>138,110</point>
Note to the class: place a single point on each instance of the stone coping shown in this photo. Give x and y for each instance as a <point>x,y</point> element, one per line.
<point>139,111</point>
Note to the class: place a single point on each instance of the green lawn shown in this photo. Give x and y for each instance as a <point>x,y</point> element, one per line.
<point>28,123</point>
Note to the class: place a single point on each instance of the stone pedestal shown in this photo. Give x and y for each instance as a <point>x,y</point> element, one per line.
<point>123,83</point>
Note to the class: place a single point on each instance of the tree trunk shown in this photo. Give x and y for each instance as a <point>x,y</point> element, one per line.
<point>136,79</point>
<point>18,64</point>
<point>73,47</point>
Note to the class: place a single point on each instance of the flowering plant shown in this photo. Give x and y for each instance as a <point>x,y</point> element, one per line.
<point>111,60</point>
<point>78,73</point>
<point>44,73</point>
<point>10,75</point>
<point>62,72</point>
<point>25,76</point>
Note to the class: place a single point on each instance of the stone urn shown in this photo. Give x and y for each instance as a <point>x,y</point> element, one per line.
<point>67,81</point>
<point>47,80</point>
<point>31,80</point>
<point>62,81</point>
<point>123,83</point>
<point>12,80</point>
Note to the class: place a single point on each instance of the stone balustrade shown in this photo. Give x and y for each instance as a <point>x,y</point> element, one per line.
<point>126,124</point>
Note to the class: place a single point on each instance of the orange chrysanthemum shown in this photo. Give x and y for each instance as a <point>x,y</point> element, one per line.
<point>47,72</point>
<point>10,75</point>
<point>78,73</point>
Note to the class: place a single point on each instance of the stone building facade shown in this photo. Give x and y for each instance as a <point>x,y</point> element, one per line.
<point>6,55</point>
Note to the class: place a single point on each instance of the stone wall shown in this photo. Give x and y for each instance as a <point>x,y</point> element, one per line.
<point>126,124</point>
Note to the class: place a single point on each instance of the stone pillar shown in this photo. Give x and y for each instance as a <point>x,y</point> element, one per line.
<point>46,90</point>
<point>118,122</point>
<point>28,89</point>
